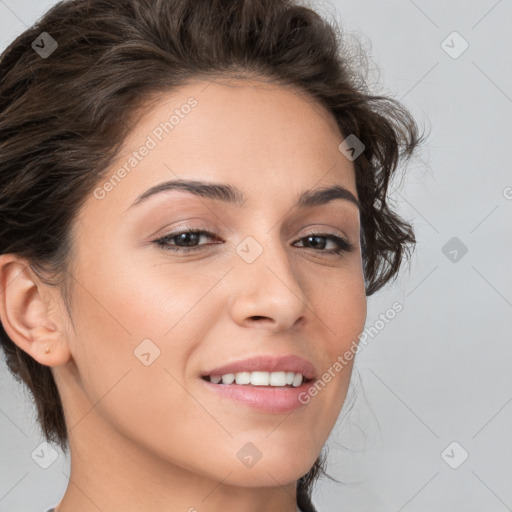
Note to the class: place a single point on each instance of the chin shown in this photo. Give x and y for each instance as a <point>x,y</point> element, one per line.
<point>267,473</point>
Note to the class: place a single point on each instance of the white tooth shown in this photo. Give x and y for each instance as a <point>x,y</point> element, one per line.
<point>297,380</point>
<point>228,378</point>
<point>278,379</point>
<point>260,378</point>
<point>243,378</point>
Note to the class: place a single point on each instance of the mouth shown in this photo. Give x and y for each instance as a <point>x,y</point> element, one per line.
<point>275,384</point>
<point>264,392</point>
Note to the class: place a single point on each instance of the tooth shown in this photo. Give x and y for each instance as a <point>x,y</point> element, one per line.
<point>297,380</point>
<point>228,378</point>
<point>243,378</point>
<point>260,378</point>
<point>278,379</point>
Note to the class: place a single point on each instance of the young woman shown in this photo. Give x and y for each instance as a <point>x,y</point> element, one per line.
<point>193,213</point>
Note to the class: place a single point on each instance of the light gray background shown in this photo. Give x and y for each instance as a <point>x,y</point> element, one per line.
<point>439,372</point>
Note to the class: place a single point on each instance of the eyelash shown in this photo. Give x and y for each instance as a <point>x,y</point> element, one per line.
<point>343,244</point>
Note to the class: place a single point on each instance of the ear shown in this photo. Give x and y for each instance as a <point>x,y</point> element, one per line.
<point>32,312</point>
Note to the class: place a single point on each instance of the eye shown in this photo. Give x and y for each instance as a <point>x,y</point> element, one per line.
<point>342,244</point>
<point>190,239</point>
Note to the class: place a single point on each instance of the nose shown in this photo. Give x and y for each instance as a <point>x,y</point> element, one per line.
<point>268,290</point>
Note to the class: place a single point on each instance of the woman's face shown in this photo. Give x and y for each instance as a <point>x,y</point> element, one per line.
<point>149,320</point>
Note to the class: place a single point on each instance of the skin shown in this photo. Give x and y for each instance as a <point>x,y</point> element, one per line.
<point>152,437</point>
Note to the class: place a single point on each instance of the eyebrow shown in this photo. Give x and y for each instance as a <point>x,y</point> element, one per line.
<point>233,195</point>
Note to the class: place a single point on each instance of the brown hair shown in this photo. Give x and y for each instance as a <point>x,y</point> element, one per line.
<point>64,117</point>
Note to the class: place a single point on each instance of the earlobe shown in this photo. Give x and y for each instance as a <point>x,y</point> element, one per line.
<point>26,312</point>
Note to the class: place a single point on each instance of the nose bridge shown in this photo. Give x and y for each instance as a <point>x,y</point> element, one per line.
<point>268,285</point>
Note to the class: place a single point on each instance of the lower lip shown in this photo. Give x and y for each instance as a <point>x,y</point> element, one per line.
<point>263,398</point>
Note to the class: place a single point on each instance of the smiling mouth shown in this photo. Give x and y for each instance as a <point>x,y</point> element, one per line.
<point>259,379</point>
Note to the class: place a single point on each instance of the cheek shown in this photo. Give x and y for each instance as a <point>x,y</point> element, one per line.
<point>341,303</point>
<point>157,297</point>
<point>132,313</point>
<point>342,307</point>
<point>133,298</point>
<point>111,349</point>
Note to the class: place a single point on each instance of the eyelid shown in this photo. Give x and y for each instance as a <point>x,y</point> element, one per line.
<point>193,223</point>
<point>326,231</point>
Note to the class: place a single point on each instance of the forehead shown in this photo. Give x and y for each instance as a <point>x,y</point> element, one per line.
<point>264,138</point>
<point>229,113</point>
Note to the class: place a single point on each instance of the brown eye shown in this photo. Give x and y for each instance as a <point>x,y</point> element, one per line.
<point>317,241</point>
<point>184,241</point>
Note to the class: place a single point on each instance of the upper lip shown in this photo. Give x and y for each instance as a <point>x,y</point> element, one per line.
<point>267,363</point>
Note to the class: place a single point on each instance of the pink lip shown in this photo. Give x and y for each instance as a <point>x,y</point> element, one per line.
<point>266,399</point>
<point>290,363</point>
